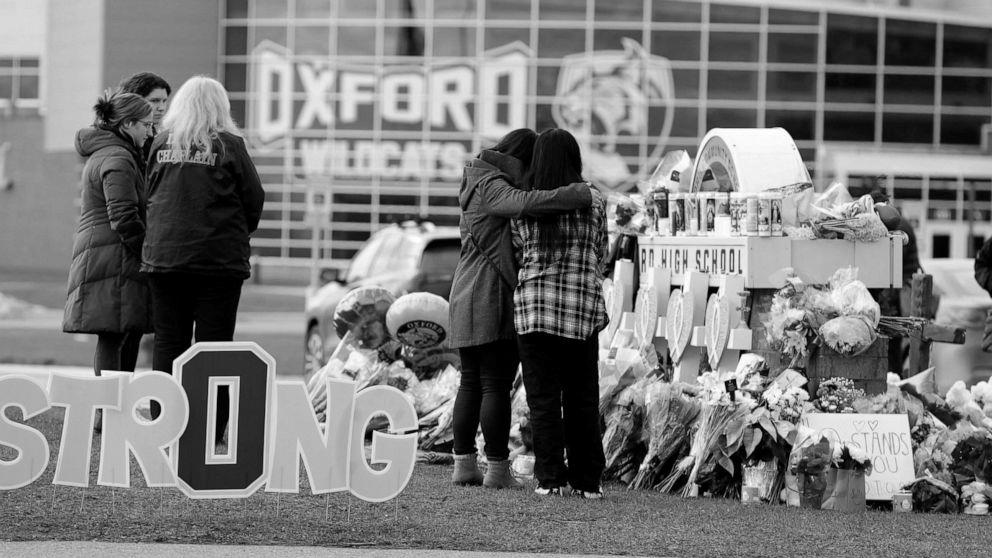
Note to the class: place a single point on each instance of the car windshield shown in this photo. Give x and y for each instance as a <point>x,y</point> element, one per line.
<point>363,260</point>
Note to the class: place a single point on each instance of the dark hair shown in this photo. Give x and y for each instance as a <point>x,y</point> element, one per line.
<point>518,144</point>
<point>115,108</point>
<point>143,83</point>
<point>557,162</point>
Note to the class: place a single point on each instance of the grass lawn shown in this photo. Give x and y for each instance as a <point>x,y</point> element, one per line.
<point>431,513</point>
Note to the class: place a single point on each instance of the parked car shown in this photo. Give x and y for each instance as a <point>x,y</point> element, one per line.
<point>404,258</point>
<point>963,303</point>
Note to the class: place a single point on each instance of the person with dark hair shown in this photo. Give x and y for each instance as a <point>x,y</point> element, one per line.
<point>155,91</point>
<point>481,311</point>
<point>106,295</point>
<point>204,201</point>
<point>558,313</point>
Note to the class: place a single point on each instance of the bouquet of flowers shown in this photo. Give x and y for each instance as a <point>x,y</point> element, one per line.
<point>846,479</point>
<point>721,427</point>
<point>837,395</point>
<point>623,445</point>
<point>670,420</point>
<point>785,405</point>
<point>809,461</point>
<point>975,498</point>
<point>973,457</point>
<point>960,399</point>
<point>790,325</point>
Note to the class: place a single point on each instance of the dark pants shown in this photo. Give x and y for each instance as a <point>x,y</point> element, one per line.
<point>182,302</point>
<point>484,393</point>
<point>562,380</point>
<point>116,351</point>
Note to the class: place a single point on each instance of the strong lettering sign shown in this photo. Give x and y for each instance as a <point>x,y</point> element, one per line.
<point>272,427</point>
<point>695,254</point>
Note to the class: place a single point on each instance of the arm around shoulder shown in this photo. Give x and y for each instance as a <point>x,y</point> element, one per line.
<point>503,200</point>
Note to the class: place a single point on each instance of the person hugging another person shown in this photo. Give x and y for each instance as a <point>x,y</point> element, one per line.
<point>106,294</point>
<point>481,300</point>
<point>204,200</point>
<point>558,312</point>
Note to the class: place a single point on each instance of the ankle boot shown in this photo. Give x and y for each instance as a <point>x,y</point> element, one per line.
<point>498,475</point>
<point>466,471</point>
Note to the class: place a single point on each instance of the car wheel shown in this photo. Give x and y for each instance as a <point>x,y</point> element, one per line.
<point>313,352</point>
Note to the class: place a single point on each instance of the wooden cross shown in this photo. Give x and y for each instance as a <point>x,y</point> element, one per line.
<point>928,332</point>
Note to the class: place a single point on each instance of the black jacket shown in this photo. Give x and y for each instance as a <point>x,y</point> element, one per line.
<point>106,293</point>
<point>201,209</point>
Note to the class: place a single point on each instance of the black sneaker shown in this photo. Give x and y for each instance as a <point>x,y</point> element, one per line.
<point>548,491</point>
<point>596,494</point>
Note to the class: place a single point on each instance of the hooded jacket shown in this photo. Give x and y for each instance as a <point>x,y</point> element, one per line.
<point>201,208</point>
<point>106,294</point>
<point>481,301</point>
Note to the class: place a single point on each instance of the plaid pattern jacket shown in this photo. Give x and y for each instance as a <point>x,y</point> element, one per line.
<point>561,293</point>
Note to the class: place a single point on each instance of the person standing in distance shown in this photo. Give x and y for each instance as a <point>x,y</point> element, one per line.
<point>106,295</point>
<point>204,201</point>
<point>155,91</point>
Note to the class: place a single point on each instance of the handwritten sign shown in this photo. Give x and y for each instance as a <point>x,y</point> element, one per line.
<point>884,438</point>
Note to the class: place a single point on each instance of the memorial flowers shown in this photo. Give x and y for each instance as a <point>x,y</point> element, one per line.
<point>837,395</point>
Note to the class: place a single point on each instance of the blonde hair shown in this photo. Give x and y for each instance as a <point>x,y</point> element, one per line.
<point>199,111</point>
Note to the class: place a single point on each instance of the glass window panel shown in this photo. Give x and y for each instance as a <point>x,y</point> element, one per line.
<point>611,39</point>
<point>555,43</point>
<point>235,77</point>
<point>791,86</point>
<point>6,62</point>
<point>965,91</point>
<point>236,41</point>
<point>848,126</point>
<point>962,129</point>
<point>27,87</point>
<point>313,9</point>
<point>967,47</point>
<point>28,62</point>
<point>499,36</point>
<point>733,47</point>
<point>665,11</point>
<point>910,43</point>
<point>544,119</point>
<point>356,8</point>
<point>454,41</point>
<point>407,40</point>
<point>238,112</point>
<point>792,17</point>
<point>908,188</point>
<point>907,128</point>
<point>313,40</point>
<point>850,88</point>
<point>611,10</point>
<point>274,34</point>
<point>356,40</point>
<point>731,118</point>
<point>508,9</point>
<point>685,122</point>
<point>271,8</point>
<point>801,124</point>
<point>237,8</point>
<point>676,45</point>
<point>852,39</point>
<point>686,83</point>
<point>909,90</point>
<point>547,79</point>
<point>732,84</point>
<point>723,13</point>
<point>6,87</point>
<point>561,9</point>
<point>452,9</point>
<point>794,48</point>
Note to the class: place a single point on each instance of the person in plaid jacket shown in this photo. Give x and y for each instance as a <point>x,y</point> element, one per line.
<point>558,312</point>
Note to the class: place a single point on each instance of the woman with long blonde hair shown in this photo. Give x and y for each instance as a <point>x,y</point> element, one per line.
<point>204,200</point>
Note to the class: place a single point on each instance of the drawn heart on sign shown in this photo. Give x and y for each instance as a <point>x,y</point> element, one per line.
<point>717,328</point>
<point>678,324</point>
<point>873,424</point>
<point>859,425</point>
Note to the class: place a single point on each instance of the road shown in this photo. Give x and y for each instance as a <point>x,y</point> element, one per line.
<point>270,315</point>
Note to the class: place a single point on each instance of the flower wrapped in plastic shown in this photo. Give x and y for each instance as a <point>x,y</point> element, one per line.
<point>721,428</point>
<point>790,325</point>
<point>670,419</point>
<point>623,443</point>
<point>809,463</point>
<point>848,335</point>
<point>960,399</point>
<point>837,395</point>
<point>626,214</point>
<point>931,495</point>
<point>973,457</point>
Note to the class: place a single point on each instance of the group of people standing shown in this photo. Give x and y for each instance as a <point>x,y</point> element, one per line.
<point>528,292</point>
<point>169,197</point>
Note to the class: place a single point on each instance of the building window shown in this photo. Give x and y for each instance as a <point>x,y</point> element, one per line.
<point>852,40</point>
<point>849,126</point>
<point>910,43</point>
<point>792,48</point>
<point>907,128</point>
<point>19,85</point>
<point>967,47</point>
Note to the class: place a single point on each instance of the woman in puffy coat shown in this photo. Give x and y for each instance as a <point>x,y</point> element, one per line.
<point>107,296</point>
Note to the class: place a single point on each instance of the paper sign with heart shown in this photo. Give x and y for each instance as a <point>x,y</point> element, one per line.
<point>679,324</point>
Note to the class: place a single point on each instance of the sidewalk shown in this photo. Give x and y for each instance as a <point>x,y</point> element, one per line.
<point>249,323</point>
<point>86,548</point>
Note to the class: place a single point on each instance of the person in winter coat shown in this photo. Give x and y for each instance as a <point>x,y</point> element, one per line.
<point>204,201</point>
<point>558,311</point>
<point>983,275</point>
<point>156,91</point>
<point>481,301</point>
<point>106,294</point>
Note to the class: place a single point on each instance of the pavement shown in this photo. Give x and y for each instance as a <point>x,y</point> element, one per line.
<point>89,548</point>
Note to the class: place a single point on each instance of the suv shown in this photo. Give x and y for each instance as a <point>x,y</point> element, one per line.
<point>401,258</point>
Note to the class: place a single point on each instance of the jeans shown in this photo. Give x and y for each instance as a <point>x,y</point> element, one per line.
<point>561,376</point>
<point>484,393</point>
<point>116,351</point>
<point>182,301</point>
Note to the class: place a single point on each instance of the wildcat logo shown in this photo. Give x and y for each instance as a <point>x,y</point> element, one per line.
<point>613,102</point>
